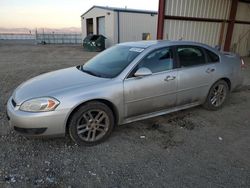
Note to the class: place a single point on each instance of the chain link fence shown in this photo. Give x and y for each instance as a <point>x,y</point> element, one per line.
<point>52,38</point>
<point>44,38</point>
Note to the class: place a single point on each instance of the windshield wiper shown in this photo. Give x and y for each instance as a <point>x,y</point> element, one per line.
<point>89,72</point>
<point>93,73</point>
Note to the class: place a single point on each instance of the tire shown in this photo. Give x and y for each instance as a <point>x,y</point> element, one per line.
<point>217,95</point>
<point>91,124</point>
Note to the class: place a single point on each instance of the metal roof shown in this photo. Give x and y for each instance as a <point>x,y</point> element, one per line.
<point>121,10</point>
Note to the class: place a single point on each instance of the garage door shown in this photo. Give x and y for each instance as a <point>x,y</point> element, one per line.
<point>101,26</point>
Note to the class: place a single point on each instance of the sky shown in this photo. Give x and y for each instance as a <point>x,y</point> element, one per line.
<point>57,13</point>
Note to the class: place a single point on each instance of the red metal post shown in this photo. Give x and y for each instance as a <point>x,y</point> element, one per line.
<point>221,33</point>
<point>230,27</point>
<point>161,17</point>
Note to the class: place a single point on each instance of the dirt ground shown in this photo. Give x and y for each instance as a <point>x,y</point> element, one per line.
<point>190,148</point>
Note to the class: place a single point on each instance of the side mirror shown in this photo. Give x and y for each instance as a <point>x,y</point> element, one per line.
<point>143,71</point>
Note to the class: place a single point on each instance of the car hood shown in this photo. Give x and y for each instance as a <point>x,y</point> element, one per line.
<point>53,82</point>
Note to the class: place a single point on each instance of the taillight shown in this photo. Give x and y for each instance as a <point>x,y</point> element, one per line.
<point>243,65</point>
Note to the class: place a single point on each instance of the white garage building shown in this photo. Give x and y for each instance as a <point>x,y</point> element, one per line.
<point>119,24</point>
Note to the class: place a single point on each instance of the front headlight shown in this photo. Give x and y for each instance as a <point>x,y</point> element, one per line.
<point>43,104</point>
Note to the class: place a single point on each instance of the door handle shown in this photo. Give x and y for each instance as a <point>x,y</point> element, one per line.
<point>168,78</point>
<point>209,70</point>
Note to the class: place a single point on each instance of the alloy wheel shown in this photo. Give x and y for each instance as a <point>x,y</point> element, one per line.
<point>218,95</point>
<point>92,125</point>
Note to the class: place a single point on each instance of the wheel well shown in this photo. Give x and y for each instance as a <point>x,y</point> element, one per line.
<point>228,82</point>
<point>106,102</point>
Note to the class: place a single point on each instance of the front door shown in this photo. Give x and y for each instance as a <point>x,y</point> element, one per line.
<point>155,92</point>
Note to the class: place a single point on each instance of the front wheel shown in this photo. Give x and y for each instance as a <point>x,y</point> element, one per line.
<point>91,124</point>
<point>217,95</point>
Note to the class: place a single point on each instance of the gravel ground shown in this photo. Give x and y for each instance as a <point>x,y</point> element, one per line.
<point>191,148</point>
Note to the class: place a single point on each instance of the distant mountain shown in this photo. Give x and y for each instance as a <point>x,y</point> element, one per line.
<point>40,30</point>
<point>60,30</point>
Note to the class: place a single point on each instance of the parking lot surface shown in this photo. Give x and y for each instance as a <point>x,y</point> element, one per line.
<point>190,148</point>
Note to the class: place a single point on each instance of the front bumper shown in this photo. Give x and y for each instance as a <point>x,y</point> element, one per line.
<point>37,124</point>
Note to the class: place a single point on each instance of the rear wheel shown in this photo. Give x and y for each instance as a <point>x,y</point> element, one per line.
<point>91,124</point>
<point>217,95</point>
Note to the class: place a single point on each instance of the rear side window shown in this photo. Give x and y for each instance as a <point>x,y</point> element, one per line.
<point>212,57</point>
<point>190,56</point>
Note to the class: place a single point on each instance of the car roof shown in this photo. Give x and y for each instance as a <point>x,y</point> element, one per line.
<point>159,43</point>
<point>141,44</point>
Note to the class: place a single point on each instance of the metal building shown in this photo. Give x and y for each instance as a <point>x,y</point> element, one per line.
<point>215,22</point>
<point>119,24</point>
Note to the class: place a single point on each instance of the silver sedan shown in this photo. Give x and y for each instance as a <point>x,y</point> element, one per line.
<point>125,83</point>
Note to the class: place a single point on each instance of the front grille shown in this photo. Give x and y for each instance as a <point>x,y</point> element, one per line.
<point>13,102</point>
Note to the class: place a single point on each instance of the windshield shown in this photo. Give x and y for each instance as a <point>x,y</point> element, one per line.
<point>111,62</point>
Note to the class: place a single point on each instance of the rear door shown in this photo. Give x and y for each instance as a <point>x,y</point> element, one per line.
<point>195,75</point>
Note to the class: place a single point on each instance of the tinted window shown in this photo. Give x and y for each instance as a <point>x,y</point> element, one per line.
<point>158,61</point>
<point>190,56</point>
<point>111,62</point>
<point>212,57</point>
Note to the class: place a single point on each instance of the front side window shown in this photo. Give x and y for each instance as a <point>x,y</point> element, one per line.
<point>158,61</point>
<point>190,56</point>
<point>111,62</point>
